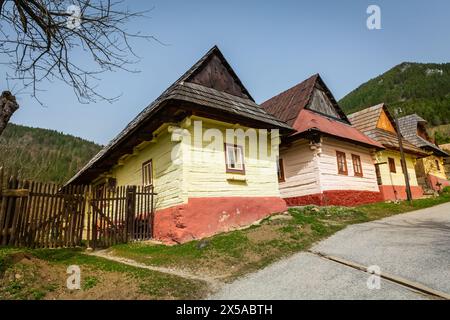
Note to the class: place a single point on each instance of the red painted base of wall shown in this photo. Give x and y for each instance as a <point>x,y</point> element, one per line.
<point>348,198</point>
<point>204,217</point>
<point>433,181</point>
<point>393,193</point>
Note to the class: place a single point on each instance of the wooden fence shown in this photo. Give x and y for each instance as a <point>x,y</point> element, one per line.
<point>119,215</point>
<point>42,215</point>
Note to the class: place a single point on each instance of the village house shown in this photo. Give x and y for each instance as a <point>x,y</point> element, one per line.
<point>377,123</point>
<point>430,171</point>
<point>326,161</point>
<point>446,148</point>
<point>204,183</point>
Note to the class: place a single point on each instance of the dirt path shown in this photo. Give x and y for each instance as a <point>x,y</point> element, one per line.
<point>214,283</point>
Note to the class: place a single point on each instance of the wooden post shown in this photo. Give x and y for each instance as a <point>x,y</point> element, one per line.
<point>131,211</point>
<point>402,153</point>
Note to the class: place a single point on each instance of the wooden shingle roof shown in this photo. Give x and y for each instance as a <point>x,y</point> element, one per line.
<point>294,106</point>
<point>366,121</point>
<point>287,105</point>
<point>409,129</point>
<point>211,86</point>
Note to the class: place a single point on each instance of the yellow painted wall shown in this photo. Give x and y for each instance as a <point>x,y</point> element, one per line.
<point>205,171</point>
<point>429,164</point>
<point>398,178</point>
<point>184,168</point>
<point>167,175</point>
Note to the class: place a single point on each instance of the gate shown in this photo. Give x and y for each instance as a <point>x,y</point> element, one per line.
<point>119,215</point>
<point>44,215</point>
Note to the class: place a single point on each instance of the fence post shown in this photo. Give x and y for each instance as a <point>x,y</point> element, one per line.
<point>87,218</point>
<point>1,182</point>
<point>131,211</point>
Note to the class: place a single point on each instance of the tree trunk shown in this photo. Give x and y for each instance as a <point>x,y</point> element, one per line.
<point>8,106</point>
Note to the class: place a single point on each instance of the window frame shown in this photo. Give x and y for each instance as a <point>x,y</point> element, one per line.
<point>145,165</point>
<point>280,170</point>
<point>438,164</point>
<point>227,163</point>
<point>392,165</point>
<point>356,164</point>
<point>341,155</point>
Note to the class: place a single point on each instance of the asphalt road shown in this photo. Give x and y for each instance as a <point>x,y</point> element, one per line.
<point>414,246</point>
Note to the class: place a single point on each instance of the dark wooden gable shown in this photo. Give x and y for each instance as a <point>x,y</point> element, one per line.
<point>322,101</point>
<point>216,73</point>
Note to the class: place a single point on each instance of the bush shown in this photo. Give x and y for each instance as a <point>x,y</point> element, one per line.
<point>446,191</point>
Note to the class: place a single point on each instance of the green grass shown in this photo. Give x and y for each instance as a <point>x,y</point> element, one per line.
<point>236,253</point>
<point>228,255</point>
<point>155,284</point>
<point>90,282</point>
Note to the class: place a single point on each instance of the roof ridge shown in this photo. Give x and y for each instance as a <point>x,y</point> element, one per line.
<point>316,75</point>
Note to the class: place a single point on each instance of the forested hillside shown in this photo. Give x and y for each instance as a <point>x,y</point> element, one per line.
<point>43,155</point>
<point>414,87</point>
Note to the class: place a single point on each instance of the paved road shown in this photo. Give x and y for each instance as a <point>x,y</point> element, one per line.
<point>414,246</point>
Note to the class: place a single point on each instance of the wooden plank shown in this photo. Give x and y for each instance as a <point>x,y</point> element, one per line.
<point>88,221</point>
<point>15,216</point>
<point>51,233</point>
<point>81,217</point>
<point>9,211</point>
<point>23,218</point>
<point>43,216</point>
<point>32,235</point>
<point>19,193</point>
<point>152,217</point>
<point>79,213</point>
<point>23,223</point>
<point>3,207</point>
<point>65,217</point>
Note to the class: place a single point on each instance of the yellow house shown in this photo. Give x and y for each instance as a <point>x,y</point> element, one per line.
<point>377,123</point>
<point>206,147</point>
<point>430,171</point>
<point>446,148</point>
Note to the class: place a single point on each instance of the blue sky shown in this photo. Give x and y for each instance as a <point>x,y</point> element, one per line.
<point>272,45</point>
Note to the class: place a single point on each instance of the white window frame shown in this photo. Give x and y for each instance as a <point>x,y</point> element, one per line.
<point>232,165</point>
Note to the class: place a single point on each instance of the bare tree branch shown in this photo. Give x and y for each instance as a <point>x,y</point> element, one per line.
<point>71,41</point>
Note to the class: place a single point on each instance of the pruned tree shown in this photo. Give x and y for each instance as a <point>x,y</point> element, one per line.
<point>71,41</point>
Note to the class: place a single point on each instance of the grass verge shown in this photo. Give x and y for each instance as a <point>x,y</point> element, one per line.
<point>233,254</point>
<point>41,274</point>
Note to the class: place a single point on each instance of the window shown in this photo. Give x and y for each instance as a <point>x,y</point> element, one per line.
<point>342,163</point>
<point>392,166</point>
<point>147,173</point>
<point>357,167</point>
<point>280,170</point>
<point>234,158</point>
<point>378,173</point>
<point>438,166</point>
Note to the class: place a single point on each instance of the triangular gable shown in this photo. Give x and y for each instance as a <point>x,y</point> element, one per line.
<point>213,71</point>
<point>311,94</point>
<point>322,101</point>
<point>385,121</point>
